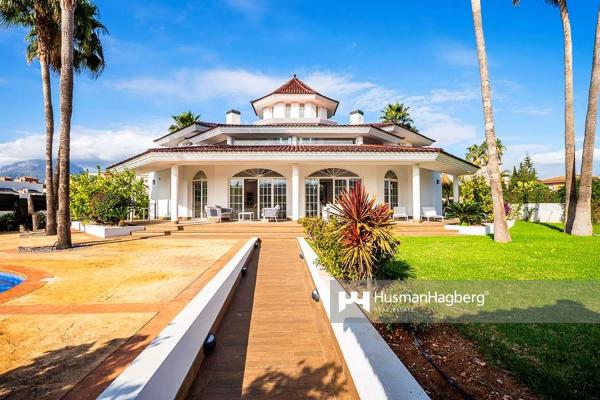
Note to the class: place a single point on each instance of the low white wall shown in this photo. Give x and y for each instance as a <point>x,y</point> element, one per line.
<point>105,231</point>
<point>159,371</point>
<point>375,369</point>
<point>544,212</point>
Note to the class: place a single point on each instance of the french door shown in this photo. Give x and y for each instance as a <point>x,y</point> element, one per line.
<point>199,193</point>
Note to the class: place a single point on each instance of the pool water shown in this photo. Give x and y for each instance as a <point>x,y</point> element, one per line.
<point>8,281</point>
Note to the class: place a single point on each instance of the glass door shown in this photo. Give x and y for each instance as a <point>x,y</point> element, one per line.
<point>265,194</point>
<point>236,195</point>
<point>199,194</point>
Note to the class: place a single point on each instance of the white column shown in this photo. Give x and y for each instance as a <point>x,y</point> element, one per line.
<point>174,191</point>
<point>359,140</point>
<point>152,205</point>
<point>295,193</point>
<point>455,189</point>
<point>230,140</point>
<point>416,192</point>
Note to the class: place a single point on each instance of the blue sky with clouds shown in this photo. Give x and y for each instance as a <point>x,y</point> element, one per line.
<point>210,56</point>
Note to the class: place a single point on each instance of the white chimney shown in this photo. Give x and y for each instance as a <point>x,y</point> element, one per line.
<point>233,117</point>
<point>357,117</point>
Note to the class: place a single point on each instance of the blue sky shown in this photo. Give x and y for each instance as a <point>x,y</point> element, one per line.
<point>210,56</point>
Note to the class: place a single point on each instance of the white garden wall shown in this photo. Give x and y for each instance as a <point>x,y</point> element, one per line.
<point>543,212</point>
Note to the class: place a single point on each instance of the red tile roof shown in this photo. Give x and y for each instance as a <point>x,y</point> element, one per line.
<point>294,86</point>
<point>364,148</point>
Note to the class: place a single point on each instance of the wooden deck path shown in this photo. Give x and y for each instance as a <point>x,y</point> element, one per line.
<point>274,341</point>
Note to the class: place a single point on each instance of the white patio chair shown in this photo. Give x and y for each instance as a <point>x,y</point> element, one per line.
<point>400,212</point>
<point>430,213</point>
<point>271,213</point>
<point>218,212</point>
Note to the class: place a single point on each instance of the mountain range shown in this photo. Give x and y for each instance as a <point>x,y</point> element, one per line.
<point>35,168</point>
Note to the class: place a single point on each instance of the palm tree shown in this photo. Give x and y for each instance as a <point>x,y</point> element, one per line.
<point>67,28</point>
<point>478,154</point>
<point>42,18</point>
<point>570,177</point>
<point>501,233</point>
<point>582,223</point>
<point>399,114</point>
<point>182,120</point>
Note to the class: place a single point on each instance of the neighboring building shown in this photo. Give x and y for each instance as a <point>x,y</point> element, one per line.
<point>294,156</point>
<point>27,179</point>
<point>22,187</point>
<point>5,179</point>
<point>557,182</point>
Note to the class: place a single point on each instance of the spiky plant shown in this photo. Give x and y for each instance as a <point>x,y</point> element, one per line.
<point>365,233</point>
<point>467,212</point>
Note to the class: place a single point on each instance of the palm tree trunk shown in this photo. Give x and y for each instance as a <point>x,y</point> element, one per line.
<point>67,11</point>
<point>570,177</point>
<point>49,111</point>
<point>501,233</point>
<point>582,224</point>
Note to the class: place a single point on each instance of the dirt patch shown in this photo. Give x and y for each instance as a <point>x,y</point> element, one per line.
<point>449,366</point>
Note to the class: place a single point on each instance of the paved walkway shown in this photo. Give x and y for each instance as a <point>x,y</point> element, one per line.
<point>274,341</point>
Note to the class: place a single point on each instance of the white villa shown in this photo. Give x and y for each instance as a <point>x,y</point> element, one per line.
<point>295,156</point>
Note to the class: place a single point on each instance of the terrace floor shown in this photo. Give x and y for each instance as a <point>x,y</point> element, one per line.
<point>83,315</point>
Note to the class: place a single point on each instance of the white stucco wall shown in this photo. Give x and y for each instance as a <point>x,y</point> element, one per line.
<point>218,185</point>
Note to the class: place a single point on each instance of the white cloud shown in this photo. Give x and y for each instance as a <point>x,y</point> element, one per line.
<point>558,157</point>
<point>203,85</point>
<point>89,147</point>
<point>236,86</point>
<point>531,110</point>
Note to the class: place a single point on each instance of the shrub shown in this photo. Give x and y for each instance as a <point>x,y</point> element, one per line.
<point>106,198</point>
<point>475,189</point>
<point>357,241</point>
<point>7,222</point>
<point>364,232</point>
<point>468,212</point>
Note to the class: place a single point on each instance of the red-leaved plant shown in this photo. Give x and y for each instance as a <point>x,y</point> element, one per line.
<point>365,232</point>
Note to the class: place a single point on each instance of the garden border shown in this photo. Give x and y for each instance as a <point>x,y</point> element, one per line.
<point>376,370</point>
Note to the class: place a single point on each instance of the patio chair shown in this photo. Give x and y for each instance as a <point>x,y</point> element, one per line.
<point>271,213</point>
<point>430,213</point>
<point>217,212</point>
<point>400,212</point>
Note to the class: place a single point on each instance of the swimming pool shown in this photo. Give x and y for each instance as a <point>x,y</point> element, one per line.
<point>8,281</point>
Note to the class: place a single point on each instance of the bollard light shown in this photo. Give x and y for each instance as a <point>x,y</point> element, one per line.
<point>209,344</point>
<point>315,295</point>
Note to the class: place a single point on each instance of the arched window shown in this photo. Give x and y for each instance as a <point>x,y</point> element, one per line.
<point>258,172</point>
<point>253,189</point>
<point>325,186</point>
<point>390,188</point>
<point>199,194</point>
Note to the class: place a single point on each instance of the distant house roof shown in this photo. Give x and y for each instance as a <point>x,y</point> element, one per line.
<point>557,180</point>
<point>554,180</point>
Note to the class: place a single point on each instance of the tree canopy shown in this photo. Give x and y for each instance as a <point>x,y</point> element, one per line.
<point>182,120</point>
<point>398,113</point>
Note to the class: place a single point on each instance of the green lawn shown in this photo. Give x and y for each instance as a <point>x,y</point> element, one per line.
<point>556,360</point>
<point>536,252</point>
